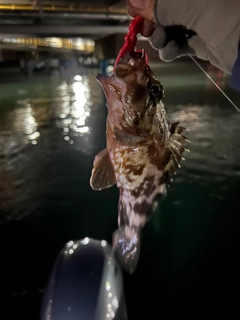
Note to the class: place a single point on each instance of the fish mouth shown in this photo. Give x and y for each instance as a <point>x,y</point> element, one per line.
<point>130,63</point>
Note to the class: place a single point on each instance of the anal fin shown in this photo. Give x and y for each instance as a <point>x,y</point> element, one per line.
<point>103,175</point>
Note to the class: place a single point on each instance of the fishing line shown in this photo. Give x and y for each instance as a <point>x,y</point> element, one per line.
<point>209,77</point>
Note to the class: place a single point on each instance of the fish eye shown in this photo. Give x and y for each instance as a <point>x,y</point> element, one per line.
<point>156,91</point>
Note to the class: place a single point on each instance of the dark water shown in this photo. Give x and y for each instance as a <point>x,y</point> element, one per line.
<point>50,130</point>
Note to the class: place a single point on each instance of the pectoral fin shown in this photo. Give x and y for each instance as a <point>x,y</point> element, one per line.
<point>103,175</point>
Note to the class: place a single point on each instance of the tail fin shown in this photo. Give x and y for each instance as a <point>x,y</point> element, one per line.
<point>126,247</point>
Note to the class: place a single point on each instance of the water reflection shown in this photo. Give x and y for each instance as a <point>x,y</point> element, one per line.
<point>212,131</point>
<point>68,107</point>
<point>75,108</point>
<point>25,123</point>
<point>46,115</point>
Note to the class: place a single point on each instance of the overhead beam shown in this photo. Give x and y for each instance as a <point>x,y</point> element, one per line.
<point>69,31</point>
<point>65,15</point>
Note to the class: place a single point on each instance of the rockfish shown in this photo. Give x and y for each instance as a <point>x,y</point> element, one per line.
<point>142,154</point>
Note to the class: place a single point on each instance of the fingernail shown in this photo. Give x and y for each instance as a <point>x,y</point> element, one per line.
<point>142,4</point>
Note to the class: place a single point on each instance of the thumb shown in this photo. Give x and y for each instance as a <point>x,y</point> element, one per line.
<point>172,51</point>
<point>144,8</point>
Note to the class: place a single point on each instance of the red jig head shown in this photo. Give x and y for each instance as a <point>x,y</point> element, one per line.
<point>131,39</point>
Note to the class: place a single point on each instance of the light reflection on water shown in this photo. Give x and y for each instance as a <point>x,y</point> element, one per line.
<point>24,123</point>
<point>72,109</point>
<point>214,147</point>
<point>75,108</point>
<point>58,109</point>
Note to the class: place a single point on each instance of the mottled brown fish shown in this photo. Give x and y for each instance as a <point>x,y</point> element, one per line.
<point>143,150</point>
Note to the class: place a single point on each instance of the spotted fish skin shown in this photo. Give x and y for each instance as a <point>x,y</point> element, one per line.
<point>139,181</point>
<point>143,151</point>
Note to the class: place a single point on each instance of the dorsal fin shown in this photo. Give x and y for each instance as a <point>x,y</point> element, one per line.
<point>177,148</point>
<point>103,175</point>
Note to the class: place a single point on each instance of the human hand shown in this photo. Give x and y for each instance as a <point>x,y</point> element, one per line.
<point>170,41</point>
<point>145,9</point>
<point>208,29</point>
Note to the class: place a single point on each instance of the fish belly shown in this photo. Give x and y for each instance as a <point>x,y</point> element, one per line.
<point>139,182</point>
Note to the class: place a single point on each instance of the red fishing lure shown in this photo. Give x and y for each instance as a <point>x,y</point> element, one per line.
<point>131,39</point>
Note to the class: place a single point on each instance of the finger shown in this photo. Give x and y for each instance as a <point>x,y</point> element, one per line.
<point>172,51</point>
<point>157,39</point>
<point>132,12</point>
<point>148,28</point>
<point>144,8</point>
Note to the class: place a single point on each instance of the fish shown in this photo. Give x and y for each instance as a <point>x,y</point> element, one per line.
<point>143,151</point>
